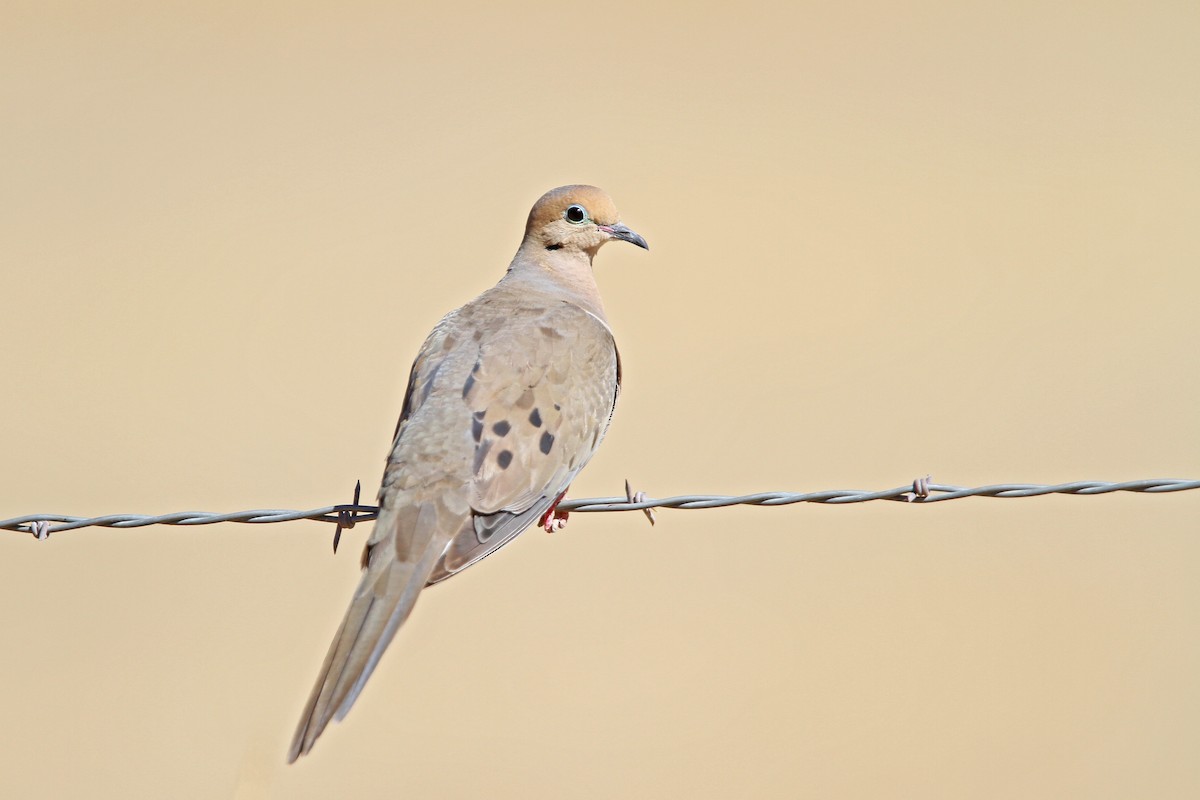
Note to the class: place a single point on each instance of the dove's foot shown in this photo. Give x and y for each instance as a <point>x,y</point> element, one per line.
<point>554,520</point>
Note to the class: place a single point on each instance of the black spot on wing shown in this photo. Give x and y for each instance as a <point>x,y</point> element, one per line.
<point>501,428</point>
<point>470,382</point>
<point>535,418</point>
<point>407,404</point>
<point>430,380</point>
<point>476,430</point>
<point>504,459</point>
<point>481,451</point>
<point>546,442</point>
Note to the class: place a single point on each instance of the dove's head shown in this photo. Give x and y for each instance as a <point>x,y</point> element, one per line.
<point>578,219</point>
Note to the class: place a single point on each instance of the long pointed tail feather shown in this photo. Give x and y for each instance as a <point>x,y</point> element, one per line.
<point>381,604</point>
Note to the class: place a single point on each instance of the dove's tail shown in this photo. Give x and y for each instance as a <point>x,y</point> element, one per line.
<point>382,602</point>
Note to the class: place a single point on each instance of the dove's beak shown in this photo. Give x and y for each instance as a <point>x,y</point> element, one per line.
<point>624,234</point>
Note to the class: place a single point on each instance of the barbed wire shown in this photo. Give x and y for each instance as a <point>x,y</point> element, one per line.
<point>919,492</point>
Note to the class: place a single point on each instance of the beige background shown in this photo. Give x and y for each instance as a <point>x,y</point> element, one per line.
<point>944,238</point>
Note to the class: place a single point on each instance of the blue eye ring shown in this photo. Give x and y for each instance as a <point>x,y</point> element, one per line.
<point>576,214</point>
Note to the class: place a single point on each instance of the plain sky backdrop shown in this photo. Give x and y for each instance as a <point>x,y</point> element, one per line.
<point>887,240</point>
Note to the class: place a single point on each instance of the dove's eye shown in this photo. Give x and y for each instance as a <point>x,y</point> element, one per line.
<point>576,214</point>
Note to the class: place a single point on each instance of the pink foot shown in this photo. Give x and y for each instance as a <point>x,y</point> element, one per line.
<point>554,520</point>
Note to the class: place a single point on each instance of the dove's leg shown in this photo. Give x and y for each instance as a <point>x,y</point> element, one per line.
<point>554,520</point>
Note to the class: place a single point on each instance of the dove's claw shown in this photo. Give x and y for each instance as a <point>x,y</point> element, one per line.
<point>554,520</point>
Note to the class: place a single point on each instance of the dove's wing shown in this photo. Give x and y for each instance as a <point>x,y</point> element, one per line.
<point>541,394</point>
<point>505,404</point>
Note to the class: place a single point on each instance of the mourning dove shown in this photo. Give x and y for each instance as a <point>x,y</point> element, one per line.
<point>507,400</point>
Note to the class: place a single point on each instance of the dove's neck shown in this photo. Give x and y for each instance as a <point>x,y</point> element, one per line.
<point>564,274</point>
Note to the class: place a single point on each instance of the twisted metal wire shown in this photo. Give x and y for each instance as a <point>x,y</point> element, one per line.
<point>920,492</point>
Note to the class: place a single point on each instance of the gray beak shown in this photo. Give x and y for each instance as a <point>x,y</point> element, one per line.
<point>625,235</point>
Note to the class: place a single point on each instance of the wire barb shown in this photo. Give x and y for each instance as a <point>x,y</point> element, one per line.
<point>346,516</point>
<point>920,489</point>
<point>638,497</point>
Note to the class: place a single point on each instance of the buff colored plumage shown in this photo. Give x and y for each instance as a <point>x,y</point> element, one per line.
<point>507,401</point>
